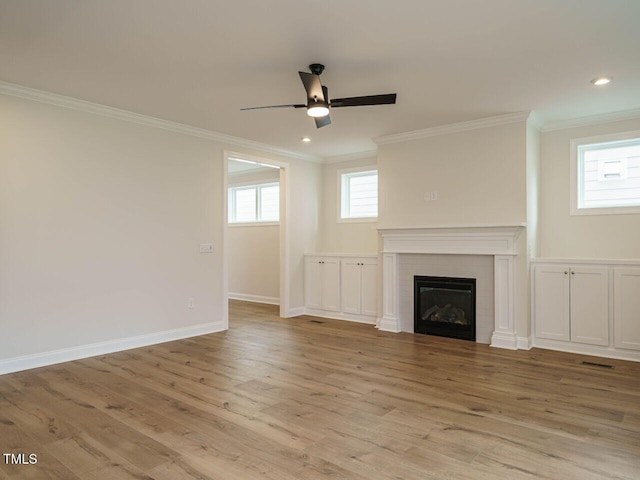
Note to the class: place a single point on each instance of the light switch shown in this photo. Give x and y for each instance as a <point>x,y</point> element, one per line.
<point>206,248</point>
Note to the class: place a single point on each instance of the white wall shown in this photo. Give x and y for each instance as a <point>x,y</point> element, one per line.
<point>480,177</point>
<point>583,236</point>
<point>100,221</point>
<point>337,237</point>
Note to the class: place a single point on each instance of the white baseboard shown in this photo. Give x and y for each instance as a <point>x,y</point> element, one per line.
<point>504,340</point>
<point>524,343</point>
<point>26,362</point>
<point>340,316</point>
<point>584,349</point>
<point>246,297</point>
<point>295,312</point>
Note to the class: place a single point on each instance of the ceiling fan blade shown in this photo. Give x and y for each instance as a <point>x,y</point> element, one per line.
<point>389,98</point>
<point>313,87</point>
<point>322,121</point>
<point>297,105</point>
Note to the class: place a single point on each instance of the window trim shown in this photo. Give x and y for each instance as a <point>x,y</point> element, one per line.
<point>575,175</point>
<point>347,171</point>
<point>258,187</point>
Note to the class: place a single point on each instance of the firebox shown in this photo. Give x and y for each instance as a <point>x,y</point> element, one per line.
<point>445,306</point>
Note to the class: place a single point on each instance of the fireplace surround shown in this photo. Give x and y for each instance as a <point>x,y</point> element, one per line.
<point>498,242</point>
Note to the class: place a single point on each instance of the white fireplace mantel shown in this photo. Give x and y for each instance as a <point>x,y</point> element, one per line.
<point>496,240</point>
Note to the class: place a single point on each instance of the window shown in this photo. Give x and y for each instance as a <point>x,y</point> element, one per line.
<point>605,174</point>
<point>358,194</point>
<point>254,203</point>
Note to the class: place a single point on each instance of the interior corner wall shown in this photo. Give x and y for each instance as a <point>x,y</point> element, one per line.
<point>562,235</point>
<point>347,237</point>
<point>479,176</point>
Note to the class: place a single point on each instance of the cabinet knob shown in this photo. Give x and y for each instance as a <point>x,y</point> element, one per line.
<point>572,272</point>
<point>565,272</point>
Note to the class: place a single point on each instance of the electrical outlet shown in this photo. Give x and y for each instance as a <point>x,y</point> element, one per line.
<point>191,303</point>
<point>206,248</point>
<point>434,195</point>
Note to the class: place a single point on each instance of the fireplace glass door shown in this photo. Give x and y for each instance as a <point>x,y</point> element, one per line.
<point>445,306</point>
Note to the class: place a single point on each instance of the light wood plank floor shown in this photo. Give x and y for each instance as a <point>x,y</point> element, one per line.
<point>310,398</point>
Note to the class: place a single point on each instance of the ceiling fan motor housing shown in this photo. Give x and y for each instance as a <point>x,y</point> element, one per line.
<point>316,68</point>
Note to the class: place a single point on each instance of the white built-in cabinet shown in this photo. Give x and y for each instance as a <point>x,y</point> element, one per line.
<point>626,298</point>
<point>342,286</point>
<point>586,307</point>
<point>359,286</point>
<point>322,283</point>
<point>572,303</point>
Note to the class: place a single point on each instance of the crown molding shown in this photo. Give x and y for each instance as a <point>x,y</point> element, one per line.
<point>454,128</point>
<point>592,120</point>
<point>127,116</point>
<point>351,156</point>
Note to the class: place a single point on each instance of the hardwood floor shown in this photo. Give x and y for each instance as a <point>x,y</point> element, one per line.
<point>310,398</point>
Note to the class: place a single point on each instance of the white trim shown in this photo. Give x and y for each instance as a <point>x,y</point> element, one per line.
<point>285,231</point>
<point>26,362</point>
<point>253,224</point>
<point>347,157</point>
<point>247,297</point>
<point>390,320</point>
<point>452,240</point>
<point>584,349</point>
<point>590,261</point>
<point>454,128</point>
<point>574,170</point>
<point>525,343</point>
<point>633,114</point>
<point>340,316</point>
<point>498,241</point>
<point>341,199</point>
<point>295,312</point>
<point>127,116</point>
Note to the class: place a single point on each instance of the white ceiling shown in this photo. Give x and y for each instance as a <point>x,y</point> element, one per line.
<point>198,62</point>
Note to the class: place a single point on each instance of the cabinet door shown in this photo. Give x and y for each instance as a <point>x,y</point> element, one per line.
<point>369,289</point>
<point>313,282</point>
<point>330,284</point>
<point>351,285</point>
<point>590,305</point>
<point>551,301</point>
<point>626,320</point>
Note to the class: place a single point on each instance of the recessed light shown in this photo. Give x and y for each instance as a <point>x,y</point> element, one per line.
<point>599,81</point>
<point>306,139</point>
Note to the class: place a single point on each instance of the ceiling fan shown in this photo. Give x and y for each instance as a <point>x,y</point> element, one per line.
<point>318,103</point>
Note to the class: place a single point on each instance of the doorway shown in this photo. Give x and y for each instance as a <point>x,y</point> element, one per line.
<point>255,231</point>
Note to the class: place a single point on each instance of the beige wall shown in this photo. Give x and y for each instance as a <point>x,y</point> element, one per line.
<point>100,222</point>
<point>348,237</point>
<point>480,177</point>
<point>583,236</point>
<point>254,262</point>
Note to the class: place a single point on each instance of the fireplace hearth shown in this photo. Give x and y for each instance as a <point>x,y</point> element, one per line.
<point>445,306</point>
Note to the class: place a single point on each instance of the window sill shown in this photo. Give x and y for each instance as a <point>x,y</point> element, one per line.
<point>358,220</point>
<point>253,224</point>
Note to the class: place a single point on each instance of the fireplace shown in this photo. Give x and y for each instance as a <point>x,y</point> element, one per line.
<point>445,306</point>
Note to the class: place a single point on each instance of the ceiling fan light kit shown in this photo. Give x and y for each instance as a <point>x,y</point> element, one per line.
<point>317,111</point>
<point>318,103</point>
